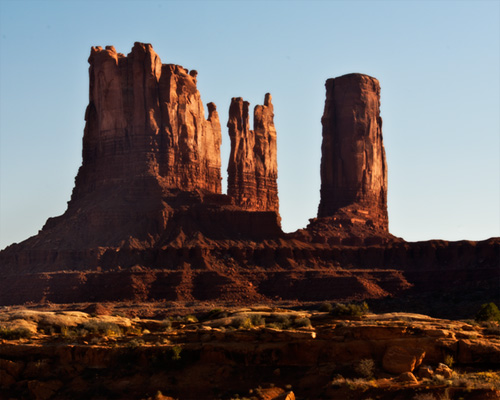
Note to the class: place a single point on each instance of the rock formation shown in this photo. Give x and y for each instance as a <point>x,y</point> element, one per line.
<point>353,164</point>
<point>147,119</point>
<point>144,349</point>
<point>253,168</point>
<point>151,162</point>
<point>147,220</point>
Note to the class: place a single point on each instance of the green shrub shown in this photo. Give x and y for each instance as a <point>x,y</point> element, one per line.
<point>135,343</point>
<point>365,367</point>
<point>14,334</point>
<point>166,324</point>
<point>102,328</point>
<point>257,320</point>
<point>350,310</point>
<point>448,360</point>
<point>176,353</point>
<point>326,307</point>
<point>302,323</point>
<point>283,321</point>
<point>190,319</point>
<point>242,323</point>
<point>488,312</point>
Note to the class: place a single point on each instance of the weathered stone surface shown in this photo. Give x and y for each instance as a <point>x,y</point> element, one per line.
<point>6,380</point>
<point>407,377</point>
<point>238,360</point>
<point>43,390</point>
<point>147,119</point>
<point>398,360</point>
<point>425,372</point>
<point>253,168</point>
<point>353,164</point>
<point>444,371</point>
<point>147,221</point>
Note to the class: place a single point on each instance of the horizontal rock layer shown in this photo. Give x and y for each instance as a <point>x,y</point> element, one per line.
<point>242,272</point>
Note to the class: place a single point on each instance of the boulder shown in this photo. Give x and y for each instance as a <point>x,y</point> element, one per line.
<point>44,390</point>
<point>398,360</point>
<point>407,377</point>
<point>13,368</point>
<point>6,380</point>
<point>425,372</point>
<point>444,371</point>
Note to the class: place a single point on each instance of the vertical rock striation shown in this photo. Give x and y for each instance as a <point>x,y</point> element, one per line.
<point>145,119</point>
<point>353,163</point>
<point>253,168</point>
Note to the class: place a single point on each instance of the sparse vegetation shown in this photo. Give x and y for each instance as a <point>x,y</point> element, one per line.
<point>488,312</point>
<point>242,323</point>
<point>302,323</point>
<point>491,328</point>
<point>350,310</point>
<point>14,334</point>
<point>257,320</point>
<point>176,353</point>
<point>103,328</point>
<point>166,324</point>
<point>134,343</point>
<point>448,360</point>
<point>478,380</point>
<point>365,368</point>
<point>190,319</point>
<point>326,307</point>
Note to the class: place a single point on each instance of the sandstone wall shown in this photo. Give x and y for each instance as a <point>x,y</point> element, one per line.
<point>353,163</point>
<point>253,168</point>
<point>147,119</point>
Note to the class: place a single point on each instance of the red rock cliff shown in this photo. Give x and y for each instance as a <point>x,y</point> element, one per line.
<point>147,119</point>
<point>353,164</point>
<point>253,168</point>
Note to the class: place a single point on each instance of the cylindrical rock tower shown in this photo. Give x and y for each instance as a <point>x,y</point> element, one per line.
<point>353,164</point>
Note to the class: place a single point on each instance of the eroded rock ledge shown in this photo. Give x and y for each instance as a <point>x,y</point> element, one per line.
<point>218,353</point>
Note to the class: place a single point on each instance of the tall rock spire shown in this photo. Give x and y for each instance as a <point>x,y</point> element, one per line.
<point>253,168</point>
<point>353,163</point>
<point>147,119</point>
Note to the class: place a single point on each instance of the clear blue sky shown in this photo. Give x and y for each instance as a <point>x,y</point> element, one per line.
<point>437,63</point>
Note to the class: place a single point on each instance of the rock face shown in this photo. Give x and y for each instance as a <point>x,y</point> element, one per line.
<point>92,354</point>
<point>398,360</point>
<point>353,164</point>
<point>253,167</point>
<point>147,220</point>
<point>147,119</point>
<point>151,162</point>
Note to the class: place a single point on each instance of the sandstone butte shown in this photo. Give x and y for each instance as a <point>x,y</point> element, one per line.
<point>147,219</point>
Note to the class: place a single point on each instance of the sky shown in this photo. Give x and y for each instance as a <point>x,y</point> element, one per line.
<point>438,64</point>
